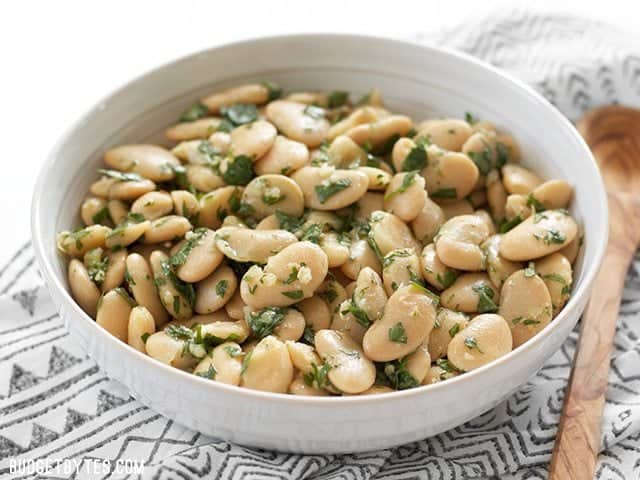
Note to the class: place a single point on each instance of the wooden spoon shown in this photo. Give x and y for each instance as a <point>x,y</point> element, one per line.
<point>613,133</point>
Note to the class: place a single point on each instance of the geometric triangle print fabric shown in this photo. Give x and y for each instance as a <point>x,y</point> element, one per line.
<point>56,403</point>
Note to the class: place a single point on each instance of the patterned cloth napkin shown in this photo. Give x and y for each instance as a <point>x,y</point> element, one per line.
<point>56,403</point>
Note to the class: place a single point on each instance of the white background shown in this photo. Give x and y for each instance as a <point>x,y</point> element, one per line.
<point>60,57</point>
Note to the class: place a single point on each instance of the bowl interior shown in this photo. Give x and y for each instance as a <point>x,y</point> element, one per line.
<point>418,81</point>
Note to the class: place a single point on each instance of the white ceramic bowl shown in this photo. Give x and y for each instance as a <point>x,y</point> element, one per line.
<point>417,80</point>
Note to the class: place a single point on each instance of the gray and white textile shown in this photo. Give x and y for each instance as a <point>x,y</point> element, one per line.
<point>56,403</point>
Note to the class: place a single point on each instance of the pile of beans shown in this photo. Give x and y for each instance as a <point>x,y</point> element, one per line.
<point>312,245</point>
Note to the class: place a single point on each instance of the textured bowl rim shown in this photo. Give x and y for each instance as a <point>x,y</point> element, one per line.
<point>589,268</point>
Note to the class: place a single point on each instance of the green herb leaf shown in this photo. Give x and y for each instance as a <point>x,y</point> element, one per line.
<point>120,176</point>
<point>470,118</point>
<point>408,180</point>
<point>485,298</point>
<point>288,222</point>
<point>318,376</point>
<point>324,192</point>
<point>312,233</point>
<point>399,377</point>
<point>294,294</point>
<point>358,313</point>
<point>502,154</point>
<point>530,321</point>
<point>418,286</point>
<point>264,321</point>
<point>445,193</point>
<point>239,171</point>
<point>314,112</point>
<point>245,362</point>
<point>240,113</point>
<point>180,257</point>
<point>453,330</point>
<point>471,343</point>
<point>275,91</point>
<point>533,202</point>
<point>144,337</point>
<point>507,225</point>
<point>221,287</point>
<point>416,159</point>
<point>530,271</point>
<point>397,333</point>
<point>194,112</point>
<point>210,373</point>
<point>179,332</point>
<point>483,160</point>
<point>233,351</point>
<point>447,278</point>
<point>101,215</point>
<point>338,98</point>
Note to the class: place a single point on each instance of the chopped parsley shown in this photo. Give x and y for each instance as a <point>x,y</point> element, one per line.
<point>471,343</point>
<point>186,290</point>
<point>530,321</point>
<point>390,257</point>
<point>485,298</point>
<point>418,286</point>
<point>312,233</point>
<point>179,332</point>
<point>96,265</point>
<point>318,376</point>
<point>530,271</point>
<point>507,225</point>
<point>324,192</point>
<point>556,277</point>
<point>416,159</point>
<point>144,337</point>
<point>221,287</point>
<point>449,368</point>
<point>288,222</point>
<point>210,373</point>
<point>245,363</point>
<point>358,313</point>
<point>180,257</point>
<point>447,278</point>
<point>125,296</point>
<point>338,98</point>
<point>120,176</point>
<point>194,112</point>
<point>101,215</point>
<point>314,112</point>
<point>551,237</point>
<point>294,294</point>
<point>275,91</point>
<point>470,118</point>
<point>535,203</point>
<point>453,330</point>
<point>408,180</point>
<point>397,333</point>
<point>502,154</point>
<point>240,114</point>
<point>233,351</point>
<point>445,193</point>
<point>263,322</point>
<point>398,376</point>
<point>483,160</point>
<point>239,171</point>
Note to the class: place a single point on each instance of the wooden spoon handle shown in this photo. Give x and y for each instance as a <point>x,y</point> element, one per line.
<point>576,448</point>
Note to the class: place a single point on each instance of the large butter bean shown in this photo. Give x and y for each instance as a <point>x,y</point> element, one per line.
<point>418,363</point>
<point>288,277</point>
<point>359,116</point>
<point>153,205</point>
<point>175,301</point>
<point>285,157</point>
<point>496,195</point>
<point>94,210</point>
<point>388,232</point>
<point>457,208</point>
<point>225,361</point>
<point>333,292</point>
<point>253,139</point>
<point>118,211</point>
<point>517,207</point>
<point>203,178</point>
<point>379,179</point>
<point>150,161</point>
<point>166,228</point>
<point>185,204</point>
<point>498,268</point>
<point>113,312</point>
<point>553,194</point>
<point>400,267</point>
<point>216,205</point>
<point>326,188</point>
<point>518,179</point>
<point>78,242</point>
<point>255,93</point>
<point>292,326</point>
<point>471,292</point>
<point>299,122</point>
<point>316,312</point>
<point>100,188</point>
<point>407,321</point>
<point>270,193</point>
<point>572,249</point>
<point>449,175</point>
<point>448,324</point>
<point>195,130</point>
<point>235,306</point>
<point>369,203</point>
<point>83,290</point>
<point>268,367</point>
<point>216,290</point>
<point>448,133</point>
<point>485,339</point>
<point>351,371</point>
<point>361,256</point>
<point>169,350</point>
<point>428,221</point>
<point>555,271</point>
<point>344,320</point>
<point>127,232</point>
<point>369,294</point>
<point>131,189</point>
<point>345,153</point>
<point>539,235</point>
<point>405,196</point>
<point>199,255</point>
<point>115,272</point>
<point>336,250</point>
<point>458,242</point>
<point>245,245</point>
<point>141,326</point>
<point>380,131</point>
<point>525,305</point>
<point>224,329</point>
<point>299,386</point>
<point>140,282</point>
<point>201,152</point>
<point>434,271</point>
